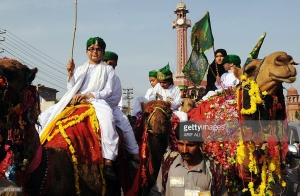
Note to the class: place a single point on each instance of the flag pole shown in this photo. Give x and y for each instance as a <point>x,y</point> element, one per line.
<point>75,23</point>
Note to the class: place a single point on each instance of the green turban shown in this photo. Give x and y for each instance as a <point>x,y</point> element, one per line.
<point>153,73</point>
<point>110,56</point>
<point>96,40</point>
<point>232,58</point>
<point>164,73</point>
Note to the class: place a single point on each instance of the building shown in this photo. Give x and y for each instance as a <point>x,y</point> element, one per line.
<point>47,96</point>
<point>293,104</point>
<point>181,23</point>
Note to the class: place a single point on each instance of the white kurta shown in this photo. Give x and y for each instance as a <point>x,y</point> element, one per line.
<point>121,119</point>
<point>173,94</point>
<point>150,95</point>
<point>227,80</point>
<point>109,136</point>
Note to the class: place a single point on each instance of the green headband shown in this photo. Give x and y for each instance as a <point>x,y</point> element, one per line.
<point>110,56</point>
<point>232,58</point>
<point>164,73</point>
<point>96,40</point>
<point>153,73</point>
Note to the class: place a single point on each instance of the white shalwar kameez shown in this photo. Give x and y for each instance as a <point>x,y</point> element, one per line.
<point>84,74</point>
<point>150,96</point>
<point>172,94</point>
<point>121,119</point>
<point>228,80</point>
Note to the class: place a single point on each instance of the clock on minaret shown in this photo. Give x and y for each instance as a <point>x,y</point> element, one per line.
<point>181,23</point>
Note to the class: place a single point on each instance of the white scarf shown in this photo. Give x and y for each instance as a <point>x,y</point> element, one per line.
<point>96,83</point>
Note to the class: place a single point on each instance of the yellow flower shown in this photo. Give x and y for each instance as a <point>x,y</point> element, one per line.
<point>283,184</point>
<point>244,190</point>
<point>243,77</point>
<point>264,93</point>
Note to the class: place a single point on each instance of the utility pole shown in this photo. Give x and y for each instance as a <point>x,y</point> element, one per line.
<point>2,39</point>
<point>127,97</point>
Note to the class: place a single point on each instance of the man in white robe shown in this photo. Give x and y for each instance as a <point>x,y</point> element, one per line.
<point>121,119</point>
<point>93,81</point>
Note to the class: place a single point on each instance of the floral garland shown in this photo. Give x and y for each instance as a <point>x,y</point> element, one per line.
<point>73,121</point>
<point>254,93</point>
<point>270,166</point>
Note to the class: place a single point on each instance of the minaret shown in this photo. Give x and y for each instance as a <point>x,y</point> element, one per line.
<point>181,24</point>
<point>293,104</point>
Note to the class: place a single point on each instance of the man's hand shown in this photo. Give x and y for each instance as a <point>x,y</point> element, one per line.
<point>80,97</point>
<point>70,67</point>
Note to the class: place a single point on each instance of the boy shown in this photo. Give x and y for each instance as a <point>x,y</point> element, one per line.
<point>121,119</point>
<point>92,81</point>
<point>166,91</point>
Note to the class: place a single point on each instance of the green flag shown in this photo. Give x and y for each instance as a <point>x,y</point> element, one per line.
<point>255,51</point>
<point>201,41</point>
<point>202,31</point>
<point>196,67</point>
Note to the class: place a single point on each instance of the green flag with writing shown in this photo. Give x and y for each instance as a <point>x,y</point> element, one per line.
<point>201,41</point>
<point>202,31</point>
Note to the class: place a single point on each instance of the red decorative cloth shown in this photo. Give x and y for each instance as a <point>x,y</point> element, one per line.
<point>83,139</point>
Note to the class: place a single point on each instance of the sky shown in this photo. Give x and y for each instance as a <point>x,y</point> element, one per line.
<point>39,33</point>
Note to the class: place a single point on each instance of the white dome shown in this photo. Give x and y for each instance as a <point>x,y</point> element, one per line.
<point>181,6</point>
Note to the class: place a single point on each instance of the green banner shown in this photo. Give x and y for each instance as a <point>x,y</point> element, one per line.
<point>201,31</point>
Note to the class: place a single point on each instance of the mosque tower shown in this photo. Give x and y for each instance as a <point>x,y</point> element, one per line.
<point>181,23</point>
<point>293,104</point>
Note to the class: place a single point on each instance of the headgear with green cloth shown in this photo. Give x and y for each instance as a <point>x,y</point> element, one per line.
<point>110,56</point>
<point>164,73</point>
<point>232,58</point>
<point>153,73</point>
<point>96,40</point>
<point>182,87</point>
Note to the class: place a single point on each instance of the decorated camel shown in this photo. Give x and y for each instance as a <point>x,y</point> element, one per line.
<point>250,139</point>
<point>155,132</point>
<point>69,161</point>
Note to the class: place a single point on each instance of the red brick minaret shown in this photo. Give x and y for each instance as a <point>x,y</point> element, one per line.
<point>293,104</point>
<point>181,24</point>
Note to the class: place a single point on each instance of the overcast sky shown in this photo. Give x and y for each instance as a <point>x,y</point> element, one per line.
<point>140,32</point>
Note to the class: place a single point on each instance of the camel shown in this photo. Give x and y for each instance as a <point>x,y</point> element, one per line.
<point>266,102</point>
<point>49,169</point>
<point>154,137</point>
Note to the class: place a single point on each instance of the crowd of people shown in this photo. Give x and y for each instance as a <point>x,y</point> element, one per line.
<point>96,82</point>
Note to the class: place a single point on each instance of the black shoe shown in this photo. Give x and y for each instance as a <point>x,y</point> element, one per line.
<point>109,173</point>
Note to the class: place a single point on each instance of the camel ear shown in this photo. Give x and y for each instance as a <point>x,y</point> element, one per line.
<point>237,72</point>
<point>144,108</point>
<point>30,74</point>
<point>250,69</point>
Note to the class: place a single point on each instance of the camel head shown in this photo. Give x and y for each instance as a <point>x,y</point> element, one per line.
<point>17,75</point>
<point>187,104</point>
<point>19,105</point>
<point>158,114</point>
<point>271,72</point>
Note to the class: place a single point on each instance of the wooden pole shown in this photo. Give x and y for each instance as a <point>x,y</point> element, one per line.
<point>75,23</point>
